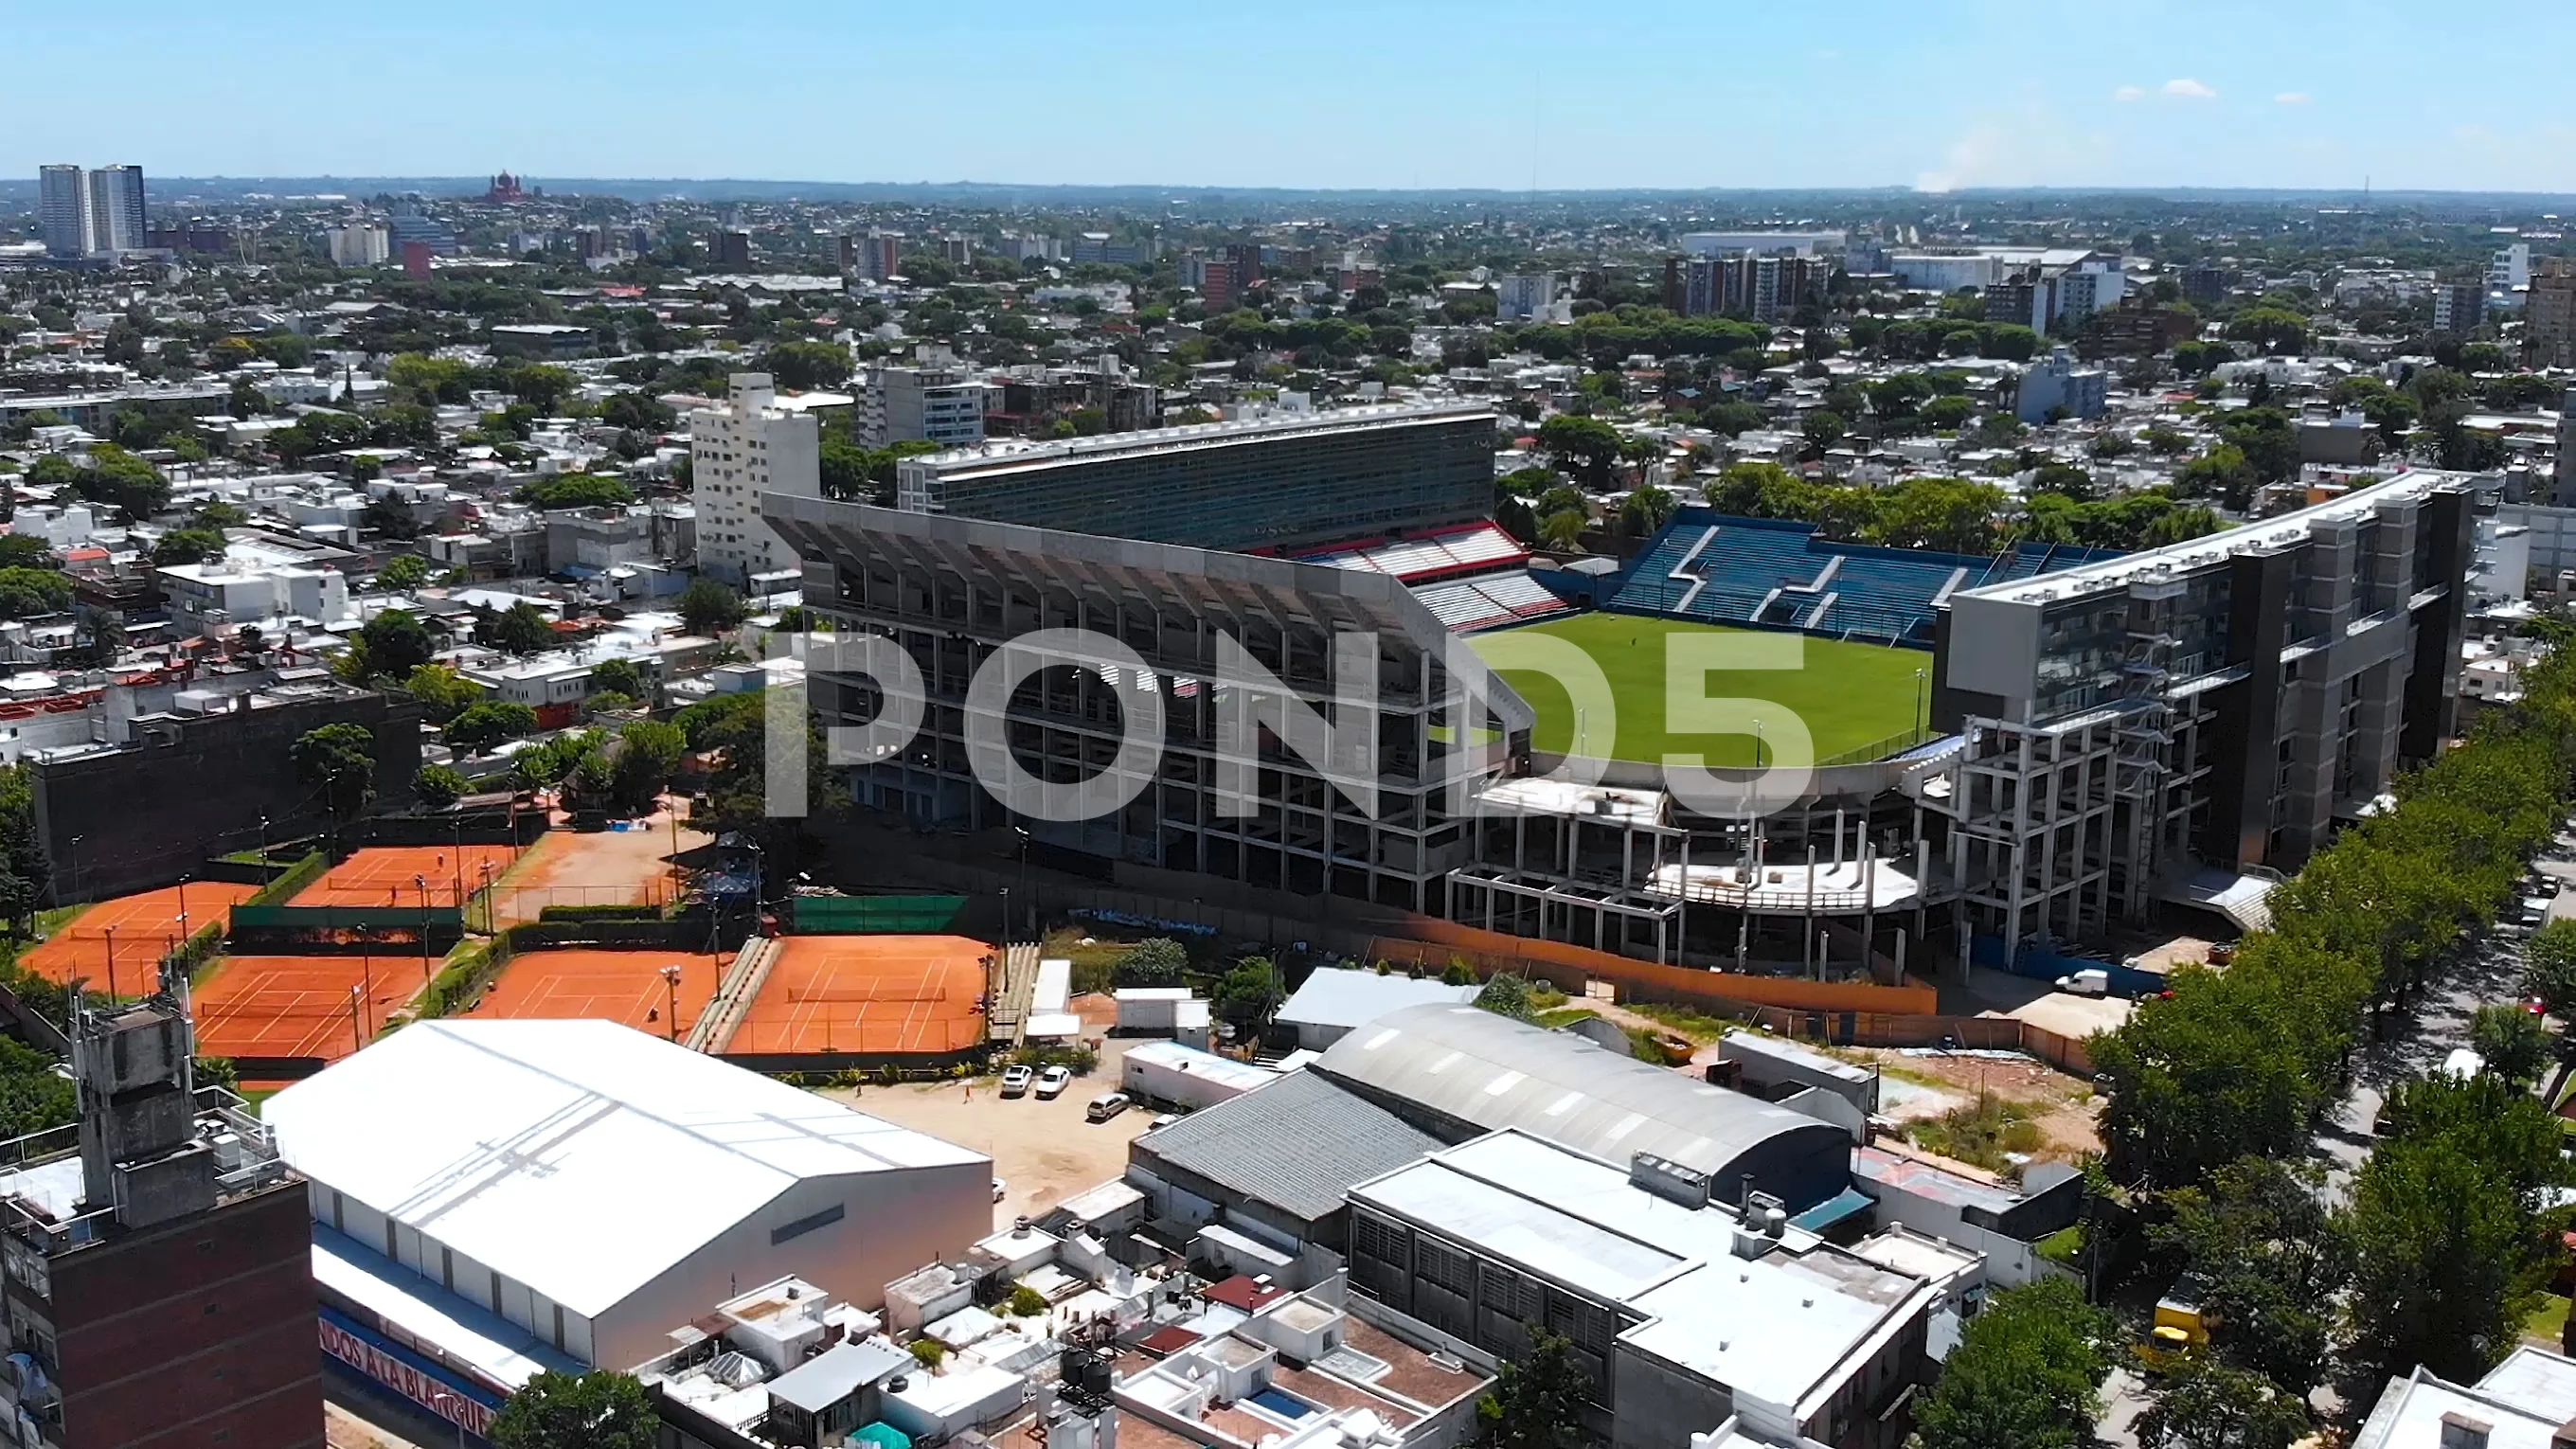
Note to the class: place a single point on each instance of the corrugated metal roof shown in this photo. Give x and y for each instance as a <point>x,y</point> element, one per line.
<point>1296,1144</point>
<point>1334,996</point>
<point>1493,1072</point>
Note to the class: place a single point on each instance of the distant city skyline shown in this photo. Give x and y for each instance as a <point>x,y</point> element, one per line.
<point>1507,95</point>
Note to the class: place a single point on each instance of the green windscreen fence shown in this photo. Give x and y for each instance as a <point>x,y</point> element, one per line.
<point>875,915</point>
<point>345,918</point>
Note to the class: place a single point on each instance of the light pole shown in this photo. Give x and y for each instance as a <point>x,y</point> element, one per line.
<point>264,877</point>
<point>76,840</point>
<point>671,977</point>
<point>1918,702</point>
<point>357,1028</point>
<point>421,883</point>
<point>111,963</point>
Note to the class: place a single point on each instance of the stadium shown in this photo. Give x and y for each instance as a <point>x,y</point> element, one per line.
<point>2017,752</point>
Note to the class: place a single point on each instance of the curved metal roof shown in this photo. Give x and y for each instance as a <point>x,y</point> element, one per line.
<point>1492,1072</point>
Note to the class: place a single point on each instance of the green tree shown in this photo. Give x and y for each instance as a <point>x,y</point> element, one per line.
<point>647,752</point>
<point>1646,509</point>
<point>804,366</point>
<point>26,877</point>
<point>2208,1405</point>
<point>1155,961</point>
<point>1584,446</point>
<point>2549,967</point>
<point>575,490</point>
<point>520,629</point>
<point>2271,329</point>
<point>26,551</point>
<point>2024,1373</point>
<point>438,786</point>
<point>487,723</point>
<point>392,644</point>
<point>118,477</point>
<point>539,385</point>
<point>621,676</point>
<point>1538,1398</point>
<point>99,636</point>
<point>1248,993</point>
<point>1563,530</point>
<point>707,606</point>
<point>2259,1236</point>
<point>1947,414</point>
<point>595,1410</point>
<point>187,546</point>
<point>1507,993</point>
<point>443,693</point>
<point>403,572</point>
<point>338,761</point>
<point>2511,1041</point>
<point>2221,473</point>
<point>29,593</point>
<point>2449,1258</point>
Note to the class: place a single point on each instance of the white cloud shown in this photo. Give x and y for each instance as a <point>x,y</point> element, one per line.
<point>2129,93</point>
<point>2291,98</point>
<point>2184,88</point>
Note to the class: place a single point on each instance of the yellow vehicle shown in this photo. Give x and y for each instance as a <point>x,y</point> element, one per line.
<point>2180,1321</point>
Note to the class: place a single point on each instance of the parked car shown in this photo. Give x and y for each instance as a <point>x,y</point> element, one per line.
<point>999,1188</point>
<point>1052,1082</point>
<point>1106,1106</point>
<point>1162,1121</point>
<point>1015,1081</point>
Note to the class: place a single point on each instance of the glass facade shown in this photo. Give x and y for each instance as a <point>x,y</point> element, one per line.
<point>1230,486</point>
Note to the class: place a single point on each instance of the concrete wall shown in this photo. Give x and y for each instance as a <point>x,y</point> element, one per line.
<point>215,1313</point>
<point>199,786</point>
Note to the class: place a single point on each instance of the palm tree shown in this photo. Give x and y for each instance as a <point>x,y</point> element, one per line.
<point>1563,530</point>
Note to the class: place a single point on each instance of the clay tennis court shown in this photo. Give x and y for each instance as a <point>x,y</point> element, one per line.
<point>867,994</point>
<point>299,1006</point>
<point>382,875</point>
<point>599,985</point>
<point>146,926</point>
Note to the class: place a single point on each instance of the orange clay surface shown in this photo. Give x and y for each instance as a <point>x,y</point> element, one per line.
<point>301,1006</point>
<point>624,986</point>
<point>382,875</point>
<point>146,927</point>
<point>868,994</point>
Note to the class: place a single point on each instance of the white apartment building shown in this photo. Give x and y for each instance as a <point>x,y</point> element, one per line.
<point>81,213</point>
<point>359,246</point>
<point>206,597</point>
<point>933,402</point>
<point>1523,298</point>
<point>62,209</point>
<point>737,452</point>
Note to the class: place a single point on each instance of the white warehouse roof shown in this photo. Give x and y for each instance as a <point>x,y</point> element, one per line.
<point>581,1158</point>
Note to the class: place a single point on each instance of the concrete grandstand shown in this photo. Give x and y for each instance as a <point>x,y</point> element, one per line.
<point>1899,850</point>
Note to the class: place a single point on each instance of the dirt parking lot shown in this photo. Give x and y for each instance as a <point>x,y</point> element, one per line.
<point>1043,1151</point>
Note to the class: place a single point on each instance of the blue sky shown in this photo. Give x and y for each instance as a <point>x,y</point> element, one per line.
<point>1755,93</point>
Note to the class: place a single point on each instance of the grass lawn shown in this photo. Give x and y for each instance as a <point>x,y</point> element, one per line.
<point>2547,1321</point>
<point>1849,695</point>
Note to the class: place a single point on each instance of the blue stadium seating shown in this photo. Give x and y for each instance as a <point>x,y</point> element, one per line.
<point>1705,565</point>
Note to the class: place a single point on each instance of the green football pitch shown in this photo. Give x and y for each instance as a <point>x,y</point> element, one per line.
<point>1849,695</point>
